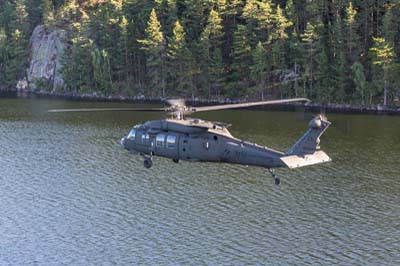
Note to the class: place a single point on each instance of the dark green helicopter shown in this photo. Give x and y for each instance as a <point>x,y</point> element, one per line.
<point>196,140</point>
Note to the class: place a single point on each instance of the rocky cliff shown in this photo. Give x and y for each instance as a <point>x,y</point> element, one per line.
<point>46,49</point>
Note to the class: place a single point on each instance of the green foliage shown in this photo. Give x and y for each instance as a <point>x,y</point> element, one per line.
<point>260,69</point>
<point>180,63</point>
<point>383,56</point>
<point>359,79</point>
<point>241,55</point>
<point>212,66</point>
<point>326,50</point>
<point>154,46</point>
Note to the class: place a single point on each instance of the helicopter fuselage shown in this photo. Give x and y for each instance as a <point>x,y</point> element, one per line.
<point>203,141</point>
<point>199,141</point>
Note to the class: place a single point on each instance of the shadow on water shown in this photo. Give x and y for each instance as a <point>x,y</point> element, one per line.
<point>71,196</point>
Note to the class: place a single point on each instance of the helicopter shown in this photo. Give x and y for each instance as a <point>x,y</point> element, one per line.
<point>181,138</point>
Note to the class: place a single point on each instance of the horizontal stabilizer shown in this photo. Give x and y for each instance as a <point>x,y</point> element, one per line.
<point>295,161</point>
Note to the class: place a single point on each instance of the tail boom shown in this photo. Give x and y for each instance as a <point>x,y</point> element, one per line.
<point>306,150</point>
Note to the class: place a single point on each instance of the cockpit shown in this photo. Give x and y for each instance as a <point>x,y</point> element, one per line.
<point>132,134</point>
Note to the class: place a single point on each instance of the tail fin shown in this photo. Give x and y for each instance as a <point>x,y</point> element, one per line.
<point>306,150</point>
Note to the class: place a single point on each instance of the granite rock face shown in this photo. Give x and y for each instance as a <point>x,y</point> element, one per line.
<point>46,49</point>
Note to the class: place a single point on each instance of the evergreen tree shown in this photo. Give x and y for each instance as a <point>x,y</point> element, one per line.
<point>340,64</point>
<point>77,62</point>
<point>193,17</point>
<point>281,25</point>
<point>265,17</point>
<point>154,46</point>
<point>279,37</point>
<point>124,62</point>
<point>260,69</point>
<point>180,62</point>
<point>295,60</point>
<point>351,32</point>
<point>249,14</point>
<point>359,79</point>
<point>318,40</point>
<point>241,55</point>
<point>21,22</point>
<point>210,42</point>
<point>383,56</point>
<point>310,39</point>
<point>233,11</point>
<point>47,10</point>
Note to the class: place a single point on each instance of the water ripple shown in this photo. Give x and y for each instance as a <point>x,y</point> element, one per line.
<point>71,196</point>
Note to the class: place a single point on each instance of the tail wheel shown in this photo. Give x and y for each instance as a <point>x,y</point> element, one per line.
<point>148,162</point>
<point>277,179</point>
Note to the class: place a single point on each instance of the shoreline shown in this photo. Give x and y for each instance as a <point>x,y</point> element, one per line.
<point>312,106</point>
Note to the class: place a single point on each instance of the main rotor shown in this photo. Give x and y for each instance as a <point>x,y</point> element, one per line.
<point>178,109</point>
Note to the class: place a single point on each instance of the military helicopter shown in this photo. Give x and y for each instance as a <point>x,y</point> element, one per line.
<point>190,139</point>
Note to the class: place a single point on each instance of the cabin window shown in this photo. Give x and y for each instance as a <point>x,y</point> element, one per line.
<point>132,134</point>
<point>160,140</point>
<point>171,142</point>
<point>145,137</point>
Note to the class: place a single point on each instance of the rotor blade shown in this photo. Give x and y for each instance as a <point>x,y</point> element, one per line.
<point>107,110</point>
<point>244,105</point>
<point>176,102</point>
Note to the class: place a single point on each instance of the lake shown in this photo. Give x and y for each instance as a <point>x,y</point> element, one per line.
<point>70,195</point>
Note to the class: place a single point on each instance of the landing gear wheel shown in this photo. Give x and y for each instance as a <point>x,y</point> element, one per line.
<point>148,162</point>
<point>277,179</point>
<point>175,160</point>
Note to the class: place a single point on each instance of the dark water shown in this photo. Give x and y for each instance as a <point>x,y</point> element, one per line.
<point>69,195</point>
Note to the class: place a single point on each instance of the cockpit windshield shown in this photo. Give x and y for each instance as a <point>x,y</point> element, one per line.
<point>132,134</point>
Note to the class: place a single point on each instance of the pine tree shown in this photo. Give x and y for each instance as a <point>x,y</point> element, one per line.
<point>279,35</point>
<point>172,14</point>
<point>241,55</point>
<point>324,79</point>
<point>154,46</point>
<point>260,69</point>
<point>359,79</point>
<point>310,40</point>
<point>233,10</point>
<point>77,68</point>
<point>47,9</point>
<point>210,42</point>
<point>281,25</point>
<point>292,16</point>
<point>295,59</point>
<point>340,66</point>
<point>351,32</point>
<point>383,56</point>
<point>265,17</point>
<point>193,17</point>
<point>124,51</point>
<point>179,62</point>
<point>249,14</point>
<point>21,17</point>
<point>389,32</point>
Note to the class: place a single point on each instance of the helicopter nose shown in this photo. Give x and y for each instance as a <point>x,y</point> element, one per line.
<point>122,142</point>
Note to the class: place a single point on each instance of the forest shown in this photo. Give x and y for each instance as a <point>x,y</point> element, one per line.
<point>335,51</point>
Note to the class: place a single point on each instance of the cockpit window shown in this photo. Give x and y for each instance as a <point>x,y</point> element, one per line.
<point>132,134</point>
<point>160,139</point>
<point>145,137</point>
<point>171,141</point>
